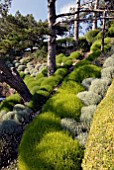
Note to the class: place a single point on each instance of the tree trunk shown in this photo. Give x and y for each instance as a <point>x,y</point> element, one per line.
<point>103,32</point>
<point>12,78</point>
<point>76,23</point>
<point>94,26</point>
<point>52,38</point>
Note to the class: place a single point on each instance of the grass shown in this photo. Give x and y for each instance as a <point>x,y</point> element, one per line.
<point>99,153</point>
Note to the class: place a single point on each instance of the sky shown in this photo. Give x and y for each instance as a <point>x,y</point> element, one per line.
<point>39,7</point>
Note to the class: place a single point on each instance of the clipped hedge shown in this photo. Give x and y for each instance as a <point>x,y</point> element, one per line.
<point>99,153</point>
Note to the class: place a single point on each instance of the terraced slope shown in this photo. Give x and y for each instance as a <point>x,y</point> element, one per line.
<point>99,153</point>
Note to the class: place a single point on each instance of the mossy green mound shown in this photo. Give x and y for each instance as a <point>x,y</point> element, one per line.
<point>99,153</point>
<point>49,147</point>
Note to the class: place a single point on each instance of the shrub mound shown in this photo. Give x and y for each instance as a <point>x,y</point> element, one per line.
<point>89,98</point>
<point>84,71</point>
<point>99,86</point>
<point>99,153</point>
<point>109,62</point>
<point>49,147</point>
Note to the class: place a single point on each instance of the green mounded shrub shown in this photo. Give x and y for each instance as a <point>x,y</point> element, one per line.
<point>111,31</point>
<point>40,80</point>
<point>49,147</point>
<point>107,73</point>
<point>34,89</point>
<point>109,62</point>
<point>99,86</point>
<point>96,46</point>
<point>87,82</point>
<point>32,84</point>
<point>89,98</point>
<point>64,105</point>
<point>71,87</point>
<point>87,113</point>
<point>60,58</point>
<point>67,63</point>
<point>73,127</point>
<point>10,136</point>
<point>84,71</point>
<point>91,36</point>
<point>83,44</point>
<point>61,71</point>
<point>22,74</point>
<point>99,153</point>
<point>93,56</point>
<point>9,102</point>
<point>52,81</point>
<point>39,75</point>
<point>47,87</point>
<point>75,55</point>
<point>28,79</point>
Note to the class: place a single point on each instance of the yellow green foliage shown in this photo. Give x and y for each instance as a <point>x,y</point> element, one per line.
<point>99,153</point>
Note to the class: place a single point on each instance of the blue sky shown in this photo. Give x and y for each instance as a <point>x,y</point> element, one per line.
<point>39,7</point>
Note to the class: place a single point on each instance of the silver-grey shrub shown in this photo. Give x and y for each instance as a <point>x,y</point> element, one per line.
<point>73,127</point>
<point>10,136</point>
<point>99,86</point>
<point>109,62</point>
<point>82,138</point>
<point>107,73</point>
<point>18,107</point>
<point>89,98</point>
<point>87,82</point>
<point>87,113</point>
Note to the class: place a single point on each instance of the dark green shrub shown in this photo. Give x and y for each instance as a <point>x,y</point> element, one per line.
<point>9,102</point>
<point>91,36</point>
<point>93,56</point>
<point>111,31</point>
<point>83,44</point>
<point>38,99</point>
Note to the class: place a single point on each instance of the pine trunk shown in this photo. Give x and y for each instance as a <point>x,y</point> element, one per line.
<point>12,78</point>
<point>94,26</point>
<point>76,23</point>
<point>52,38</point>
